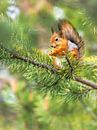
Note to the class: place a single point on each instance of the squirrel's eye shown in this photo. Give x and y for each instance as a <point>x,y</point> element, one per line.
<point>56,39</point>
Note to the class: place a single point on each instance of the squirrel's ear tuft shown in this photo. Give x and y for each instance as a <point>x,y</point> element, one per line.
<point>59,27</point>
<point>60,22</point>
<point>52,30</point>
<point>60,33</point>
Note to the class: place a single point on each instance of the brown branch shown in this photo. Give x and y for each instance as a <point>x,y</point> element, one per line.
<point>86,82</point>
<point>35,63</point>
<point>48,67</point>
<point>15,55</point>
<point>53,70</point>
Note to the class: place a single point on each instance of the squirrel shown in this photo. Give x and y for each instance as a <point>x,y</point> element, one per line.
<point>65,40</point>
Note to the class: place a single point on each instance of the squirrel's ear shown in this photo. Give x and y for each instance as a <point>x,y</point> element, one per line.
<point>60,33</point>
<point>52,30</point>
<point>60,30</point>
<point>59,27</point>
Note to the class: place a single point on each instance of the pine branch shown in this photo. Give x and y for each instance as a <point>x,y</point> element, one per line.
<point>25,59</point>
<point>86,82</point>
<point>14,55</point>
<point>53,70</point>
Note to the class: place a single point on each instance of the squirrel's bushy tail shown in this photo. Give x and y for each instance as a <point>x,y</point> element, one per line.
<point>67,30</point>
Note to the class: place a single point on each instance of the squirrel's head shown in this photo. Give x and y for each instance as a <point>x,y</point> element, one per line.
<point>55,39</point>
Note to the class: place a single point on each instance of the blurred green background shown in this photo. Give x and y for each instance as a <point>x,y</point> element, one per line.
<point>21,107</point>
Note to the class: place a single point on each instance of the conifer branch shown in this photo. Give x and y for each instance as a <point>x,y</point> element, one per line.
<point>53,70</point>
<point>14,55</point>
<point>86,82</point>
<point>35,63</point>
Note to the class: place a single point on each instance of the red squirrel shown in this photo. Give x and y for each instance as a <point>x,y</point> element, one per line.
<point>66,40</point>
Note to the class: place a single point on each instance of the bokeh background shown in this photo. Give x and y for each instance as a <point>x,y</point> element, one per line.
<point>21,107</point>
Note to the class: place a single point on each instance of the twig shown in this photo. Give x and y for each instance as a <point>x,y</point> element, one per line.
<point>71,67</point>
<point>86,82</point>
<point>69,63</point>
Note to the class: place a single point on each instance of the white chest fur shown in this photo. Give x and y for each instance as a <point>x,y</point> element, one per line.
<point>71,45</point>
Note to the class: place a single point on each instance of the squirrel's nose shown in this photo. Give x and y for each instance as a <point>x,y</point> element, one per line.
<point>53,46</point>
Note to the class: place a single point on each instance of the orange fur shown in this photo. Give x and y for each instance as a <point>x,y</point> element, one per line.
<point>59,41</point>
<point>60,47</point>
<point>75,53</point>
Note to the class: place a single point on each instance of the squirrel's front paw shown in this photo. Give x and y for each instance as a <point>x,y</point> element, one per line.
<point>49,53</point>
